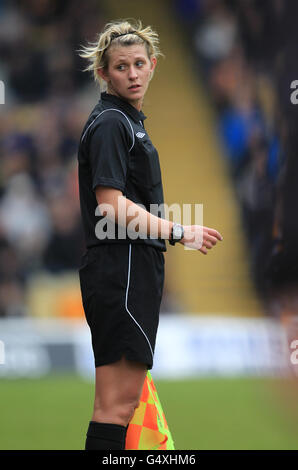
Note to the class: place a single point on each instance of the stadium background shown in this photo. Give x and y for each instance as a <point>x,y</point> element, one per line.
<point>221,117</point>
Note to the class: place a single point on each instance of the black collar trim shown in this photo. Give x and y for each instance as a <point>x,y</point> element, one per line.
<point>125,106</point>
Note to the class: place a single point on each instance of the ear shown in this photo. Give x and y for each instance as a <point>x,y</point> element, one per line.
<point>153,61</point>
<point>101,72</point>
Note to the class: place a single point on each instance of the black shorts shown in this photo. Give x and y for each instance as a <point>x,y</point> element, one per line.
<point>121,288</point>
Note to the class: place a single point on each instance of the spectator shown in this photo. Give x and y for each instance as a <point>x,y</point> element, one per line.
<point>65,245</point>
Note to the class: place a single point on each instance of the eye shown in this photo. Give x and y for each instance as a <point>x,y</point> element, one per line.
<point>120,67</point>
<point>139,63</point>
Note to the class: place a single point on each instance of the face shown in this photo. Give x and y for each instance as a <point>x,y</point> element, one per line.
<point>128,73</point>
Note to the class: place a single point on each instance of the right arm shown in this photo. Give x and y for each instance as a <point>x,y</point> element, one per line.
<point>197,237</point>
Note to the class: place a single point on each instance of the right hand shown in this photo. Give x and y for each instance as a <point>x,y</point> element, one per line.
<point>200,238</point>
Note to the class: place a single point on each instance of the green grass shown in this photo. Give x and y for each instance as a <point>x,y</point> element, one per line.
<point>213,413</point>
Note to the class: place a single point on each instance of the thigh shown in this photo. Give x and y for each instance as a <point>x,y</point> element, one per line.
<point>119,382</point>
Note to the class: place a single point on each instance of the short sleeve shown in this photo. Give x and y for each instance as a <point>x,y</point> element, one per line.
<point>109,153</point>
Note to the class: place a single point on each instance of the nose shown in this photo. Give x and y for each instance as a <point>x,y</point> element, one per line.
<point>132,73</point>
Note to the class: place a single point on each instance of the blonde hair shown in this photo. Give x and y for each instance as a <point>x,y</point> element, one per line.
<point>118,33</point>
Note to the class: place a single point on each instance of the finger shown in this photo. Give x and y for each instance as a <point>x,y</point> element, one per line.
<point>215,233</point>
<point>203,250</point>
<point>208,245</point>
<point>212,239</point>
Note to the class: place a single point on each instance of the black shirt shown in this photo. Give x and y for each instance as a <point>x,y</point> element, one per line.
<point>116,151</point>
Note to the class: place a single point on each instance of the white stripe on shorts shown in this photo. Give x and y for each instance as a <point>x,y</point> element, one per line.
<point>127,288</point>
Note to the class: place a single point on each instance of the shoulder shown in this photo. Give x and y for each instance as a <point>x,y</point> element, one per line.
<point>108,121</point>
<point>112,117</point>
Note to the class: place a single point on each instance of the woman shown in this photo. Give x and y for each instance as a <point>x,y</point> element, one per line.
<point>122,272</point>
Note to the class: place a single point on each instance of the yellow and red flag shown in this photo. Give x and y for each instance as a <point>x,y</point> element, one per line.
<point>148,428</point>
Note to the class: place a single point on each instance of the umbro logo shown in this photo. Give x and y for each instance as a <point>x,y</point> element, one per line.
<point>140,135</point>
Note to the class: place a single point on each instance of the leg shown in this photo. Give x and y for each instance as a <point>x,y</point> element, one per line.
<point>118,389</point>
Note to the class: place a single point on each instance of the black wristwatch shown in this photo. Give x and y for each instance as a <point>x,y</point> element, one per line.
<point>177,233</point>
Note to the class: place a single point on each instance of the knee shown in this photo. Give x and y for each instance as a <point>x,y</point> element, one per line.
<point>126,411</point>
<point>118,412</point>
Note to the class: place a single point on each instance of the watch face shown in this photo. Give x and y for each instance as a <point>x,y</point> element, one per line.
<point>177,232</point>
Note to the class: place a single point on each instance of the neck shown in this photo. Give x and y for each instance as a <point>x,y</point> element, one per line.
<point>136,104</point>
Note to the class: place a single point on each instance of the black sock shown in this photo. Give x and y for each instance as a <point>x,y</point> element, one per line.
<point>105,436</point>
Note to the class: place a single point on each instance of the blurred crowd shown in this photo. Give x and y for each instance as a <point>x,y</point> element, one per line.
<point>40,125</point>
<point>246,51</point>
<point>47,100</point>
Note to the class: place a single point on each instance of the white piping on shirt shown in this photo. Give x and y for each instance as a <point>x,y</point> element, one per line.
<point>127,288</point>
<point>112,109</point>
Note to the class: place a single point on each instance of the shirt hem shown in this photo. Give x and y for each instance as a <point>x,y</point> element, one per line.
<point>108,183</point>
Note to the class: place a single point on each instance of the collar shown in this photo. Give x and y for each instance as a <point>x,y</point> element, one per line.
<point>124,106</point>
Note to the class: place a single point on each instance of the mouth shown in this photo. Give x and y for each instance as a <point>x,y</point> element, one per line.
<point>134,87</point>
